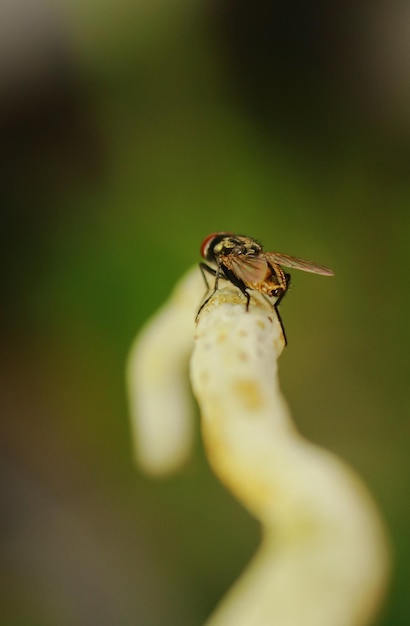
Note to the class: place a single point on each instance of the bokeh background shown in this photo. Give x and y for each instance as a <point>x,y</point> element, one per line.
<point>131,129</point>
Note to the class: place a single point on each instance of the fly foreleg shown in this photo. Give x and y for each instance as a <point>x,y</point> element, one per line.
<point>217,273</point>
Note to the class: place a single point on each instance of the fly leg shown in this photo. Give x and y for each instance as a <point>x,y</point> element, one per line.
<point>277,303</point>
<point>275,306</point>
<point>217,273</point>
<point>226,274</point>
<point>231,276</point>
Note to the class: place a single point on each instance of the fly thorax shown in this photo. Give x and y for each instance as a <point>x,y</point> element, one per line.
<point>252,249</point>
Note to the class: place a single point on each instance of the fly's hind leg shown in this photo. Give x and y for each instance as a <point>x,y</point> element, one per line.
<point>277,303</point>
<point>284,290</point>
<point>275,306</point>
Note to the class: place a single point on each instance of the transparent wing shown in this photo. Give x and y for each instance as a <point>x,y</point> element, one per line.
<point>250,269</point>
<point>296,263</point>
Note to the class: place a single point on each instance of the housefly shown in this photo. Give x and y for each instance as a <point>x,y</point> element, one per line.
<point>243,262</point>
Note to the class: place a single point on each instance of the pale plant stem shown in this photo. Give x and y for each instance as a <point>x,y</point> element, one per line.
<point>323,559</point>
<point>157,381</point>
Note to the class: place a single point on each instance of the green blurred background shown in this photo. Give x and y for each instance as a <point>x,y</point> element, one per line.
<point>129,131</point>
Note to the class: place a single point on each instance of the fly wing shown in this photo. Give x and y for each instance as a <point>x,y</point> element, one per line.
<point>250,269</point>
<point>296,263</point>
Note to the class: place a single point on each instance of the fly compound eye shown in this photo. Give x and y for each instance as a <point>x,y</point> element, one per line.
<point>207,246</point>
<point>212,245</point>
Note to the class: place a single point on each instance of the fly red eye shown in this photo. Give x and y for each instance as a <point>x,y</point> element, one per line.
<point>206,245</point>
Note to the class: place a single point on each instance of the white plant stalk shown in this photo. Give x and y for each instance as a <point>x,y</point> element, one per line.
<point>323,559</point>
<point>157,381</point>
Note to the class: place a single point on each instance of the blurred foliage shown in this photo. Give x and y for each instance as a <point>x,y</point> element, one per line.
<point>130,130</point>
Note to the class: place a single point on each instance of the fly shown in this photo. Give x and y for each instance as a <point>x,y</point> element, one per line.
<point>243,262</point>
